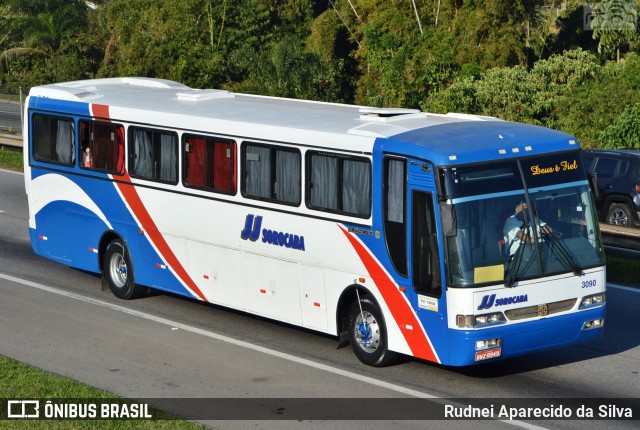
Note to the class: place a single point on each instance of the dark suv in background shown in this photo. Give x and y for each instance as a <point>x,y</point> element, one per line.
<point>617,177</point>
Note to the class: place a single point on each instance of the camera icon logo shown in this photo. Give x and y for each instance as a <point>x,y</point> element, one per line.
<point>612,15</point>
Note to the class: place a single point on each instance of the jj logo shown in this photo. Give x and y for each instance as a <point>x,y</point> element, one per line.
<point>487,302</point>
<point>251,228</point>
<point>253,231</point>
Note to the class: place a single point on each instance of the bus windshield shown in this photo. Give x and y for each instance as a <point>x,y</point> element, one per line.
<point>518,220</point>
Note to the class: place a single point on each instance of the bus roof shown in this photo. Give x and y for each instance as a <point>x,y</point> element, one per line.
<point>441,138</point>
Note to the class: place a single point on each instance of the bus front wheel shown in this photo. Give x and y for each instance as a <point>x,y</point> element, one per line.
<point>368,333</point>
<point>118,271</point>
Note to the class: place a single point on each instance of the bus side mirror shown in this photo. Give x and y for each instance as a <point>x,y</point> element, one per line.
<point>593,183</point>
<point>449,223</point>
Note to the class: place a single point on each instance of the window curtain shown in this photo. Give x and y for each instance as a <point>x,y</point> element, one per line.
<point>288,176</point>
<point>195,162</point>
<point>101,147</point>
<point>120,154</point>
<point>142,147</point>
<point>223,162</point>
<point>356,187</point>
<point>395,191</point>
<point>65,147</point>
<point>258,171</point>
<point>168,158</point>
<point>324,177</point>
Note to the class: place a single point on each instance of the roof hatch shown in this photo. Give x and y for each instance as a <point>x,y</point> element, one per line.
<point>385,114</point>
<point>204,95</point>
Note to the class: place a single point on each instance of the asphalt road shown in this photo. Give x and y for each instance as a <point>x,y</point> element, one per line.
<point>58,319</point>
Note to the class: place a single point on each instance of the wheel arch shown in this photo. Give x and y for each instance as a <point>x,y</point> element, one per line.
<point>619,199</point>
<point>348,296</point>
<point>107,237</point>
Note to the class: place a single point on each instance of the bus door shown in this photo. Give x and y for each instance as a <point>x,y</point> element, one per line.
<point>412,241</point>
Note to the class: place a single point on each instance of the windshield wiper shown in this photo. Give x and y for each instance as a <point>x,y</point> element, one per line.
<point>562,251</point>
<point>514,267</point>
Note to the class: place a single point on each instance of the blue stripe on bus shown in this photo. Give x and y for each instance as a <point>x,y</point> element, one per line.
<point>61,107</point>
<point>71,231</point>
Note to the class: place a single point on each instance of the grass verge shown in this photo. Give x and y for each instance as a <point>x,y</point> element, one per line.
<point>19,381</point>
<point>623,268</point>
<point>11,160</point>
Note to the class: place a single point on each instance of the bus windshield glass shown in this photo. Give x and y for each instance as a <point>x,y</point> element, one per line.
<point>519,219</point>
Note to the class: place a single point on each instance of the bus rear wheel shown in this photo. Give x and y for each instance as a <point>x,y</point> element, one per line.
<point>368,333</point>
<point>118,271</point>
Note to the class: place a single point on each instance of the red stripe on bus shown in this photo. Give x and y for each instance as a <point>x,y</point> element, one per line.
<point>396,302</point>
<point>135,203</point>
<point>101,111</point>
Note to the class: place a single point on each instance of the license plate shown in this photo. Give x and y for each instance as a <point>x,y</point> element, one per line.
<point>488,354</point>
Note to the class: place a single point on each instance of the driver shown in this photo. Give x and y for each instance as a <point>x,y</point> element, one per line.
<point>517,229</point>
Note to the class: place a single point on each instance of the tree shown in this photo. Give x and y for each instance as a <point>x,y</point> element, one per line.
<point>625,131</point>
<point>45,44</point>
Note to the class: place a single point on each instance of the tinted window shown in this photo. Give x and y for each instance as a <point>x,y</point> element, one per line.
<point>424,246</point>
<point>395,216</point>
<point>605,167</point>
<point>53,139</point>
<point>210,163</point>
<point>340,184</point>
<point>271,173</point>
<point>102,146</point>
<point>153,154</point>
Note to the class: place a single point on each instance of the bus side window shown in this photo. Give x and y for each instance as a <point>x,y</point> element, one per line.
<point>53,139</point>
<point>424,253</point>
<point>153,154</point>
<point>210,163</point>
<point>272,173</point>
<point>395,206</point>
<point>106,145</point>
<point>339,184</point>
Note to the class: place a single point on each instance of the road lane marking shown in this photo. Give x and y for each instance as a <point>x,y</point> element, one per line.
<point>11,171</point>
<point>623,287</point>
<point>243,344</point>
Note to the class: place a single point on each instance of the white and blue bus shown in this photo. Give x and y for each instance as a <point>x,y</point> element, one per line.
<point>383,227</point>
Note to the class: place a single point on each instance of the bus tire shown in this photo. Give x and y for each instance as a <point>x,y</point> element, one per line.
<point>368,333</point>
<point>118,271</point>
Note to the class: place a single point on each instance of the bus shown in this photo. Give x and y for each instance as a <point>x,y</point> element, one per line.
<point>385,227</point>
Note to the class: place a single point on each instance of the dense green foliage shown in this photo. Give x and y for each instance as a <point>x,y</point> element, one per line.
<point>521,60</point>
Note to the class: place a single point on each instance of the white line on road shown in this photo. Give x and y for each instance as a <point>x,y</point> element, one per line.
<point>11,171</point>
<point>299,360</point>
<point>622,287</point>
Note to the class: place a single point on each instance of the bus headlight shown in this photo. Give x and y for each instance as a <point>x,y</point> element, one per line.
<point>592,300</point>
<point>484,320</point>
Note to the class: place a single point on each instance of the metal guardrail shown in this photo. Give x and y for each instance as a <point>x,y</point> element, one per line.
<point>13,141</point>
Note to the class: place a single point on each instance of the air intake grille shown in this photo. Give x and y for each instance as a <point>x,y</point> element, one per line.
<point>539,310</point>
